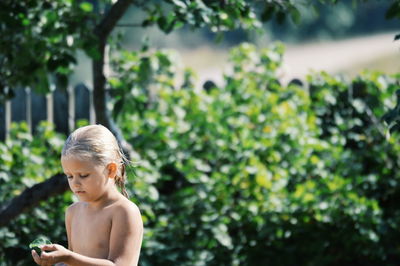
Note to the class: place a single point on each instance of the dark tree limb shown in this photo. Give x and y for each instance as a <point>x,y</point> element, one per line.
<point>107,24</point>
<point>99,83</point>
<point>102,32</point>
<point>31,197</point>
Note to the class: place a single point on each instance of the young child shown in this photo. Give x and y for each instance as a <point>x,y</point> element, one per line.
<point>104,227</point>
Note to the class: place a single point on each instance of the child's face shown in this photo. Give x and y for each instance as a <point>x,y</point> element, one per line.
<point>87,180</point>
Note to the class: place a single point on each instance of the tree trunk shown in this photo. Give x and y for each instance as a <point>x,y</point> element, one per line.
<point>102,31</point>
<point>99,83</point>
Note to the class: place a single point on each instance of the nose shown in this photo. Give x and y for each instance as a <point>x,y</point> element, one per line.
<point>74,182</point>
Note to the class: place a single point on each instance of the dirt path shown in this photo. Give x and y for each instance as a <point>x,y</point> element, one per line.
<point>345,56</point>
<point>341,56</point>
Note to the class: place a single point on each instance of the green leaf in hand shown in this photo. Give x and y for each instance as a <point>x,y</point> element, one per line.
<point>40,241</point>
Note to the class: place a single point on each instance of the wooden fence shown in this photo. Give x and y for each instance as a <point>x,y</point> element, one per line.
<point>61,107</point>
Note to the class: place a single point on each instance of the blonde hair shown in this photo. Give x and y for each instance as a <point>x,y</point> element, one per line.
<point>96,142</point>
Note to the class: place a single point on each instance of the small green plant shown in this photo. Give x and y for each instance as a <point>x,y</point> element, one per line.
<point>40,241</point>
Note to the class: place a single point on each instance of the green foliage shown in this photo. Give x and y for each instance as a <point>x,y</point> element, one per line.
<point>35,244</point>
<point>394,10</point>
<point>250,172</point>
<point>392,117</point>
<point>336,20</point>
<point>219,15</point>
<point>25,161</point>
<point>41,37</point>
<point>240,173</point>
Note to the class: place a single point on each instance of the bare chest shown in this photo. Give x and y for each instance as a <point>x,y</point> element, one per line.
<point>90,234</point>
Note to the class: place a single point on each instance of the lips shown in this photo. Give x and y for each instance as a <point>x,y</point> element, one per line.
<point>79,192</point>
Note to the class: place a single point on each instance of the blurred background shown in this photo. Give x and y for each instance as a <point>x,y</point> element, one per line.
<point>344,38</point>
<point>261,146</point>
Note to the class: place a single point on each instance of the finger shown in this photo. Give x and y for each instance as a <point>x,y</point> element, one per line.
<point>47,257</point>
<point>47,261</point>
<point>48,247</point>
<point>35,257</point>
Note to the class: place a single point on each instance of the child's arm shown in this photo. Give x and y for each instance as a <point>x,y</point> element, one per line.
<point>68,217</point>
<point>125,242</point>
<point>60,254</point>
<point>126,235</point>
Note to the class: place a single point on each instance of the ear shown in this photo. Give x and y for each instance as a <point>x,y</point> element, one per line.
<point>112,170</point>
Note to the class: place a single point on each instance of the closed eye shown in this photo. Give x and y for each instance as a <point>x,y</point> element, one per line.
<point>81,176</point>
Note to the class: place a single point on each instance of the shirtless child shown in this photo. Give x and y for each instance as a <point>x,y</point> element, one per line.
<point>104,227</point>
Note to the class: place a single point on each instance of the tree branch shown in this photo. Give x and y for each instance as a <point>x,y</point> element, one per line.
<point>31,197</point>
<point>107,24</point>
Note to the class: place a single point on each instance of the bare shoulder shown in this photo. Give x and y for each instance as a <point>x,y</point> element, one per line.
<point>73,208</point>
<point>126,233</point>
<point>127,219</point>
<point>127,209</point>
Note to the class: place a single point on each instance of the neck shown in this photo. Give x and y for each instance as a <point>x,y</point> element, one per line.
<point>109,197</point>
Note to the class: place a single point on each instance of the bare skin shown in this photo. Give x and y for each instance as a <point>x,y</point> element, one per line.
<point>104,228</point>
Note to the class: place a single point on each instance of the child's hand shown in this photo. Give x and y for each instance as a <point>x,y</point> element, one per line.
<point>51,254</point>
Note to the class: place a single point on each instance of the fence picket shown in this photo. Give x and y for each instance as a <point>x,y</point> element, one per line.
<point>82,102</point>
<point>18,106</point>
<point>50,107</point>
<point>61,107</point>
<point>28,111</point>
<point>71,109</point>
<point>2,121</point>
<point>7,118</point>
<point>60,98</point>
<point>39,110</point>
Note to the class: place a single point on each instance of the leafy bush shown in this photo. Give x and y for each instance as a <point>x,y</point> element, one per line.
<point>25,161</point>
<point>255,172</point>
<point>250,172</point>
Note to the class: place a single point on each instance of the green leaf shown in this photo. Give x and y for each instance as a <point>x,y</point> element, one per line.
<point>268,12</point>
<point>166,24</point>
<point>393,11</point>
<point>394,128</point>
<point>179,3</point>
<point>61,81</point>
<point>42,82</point>
<point>118,107</point>
<point>91,49</point>
<point>295,15</point>
<point>87,7</point>
<point>26,22</point>
<point>40,241</point>
<point>280,17</point>
<point>162,23</point>
<point>148,22</point>
<point>221,234</point>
